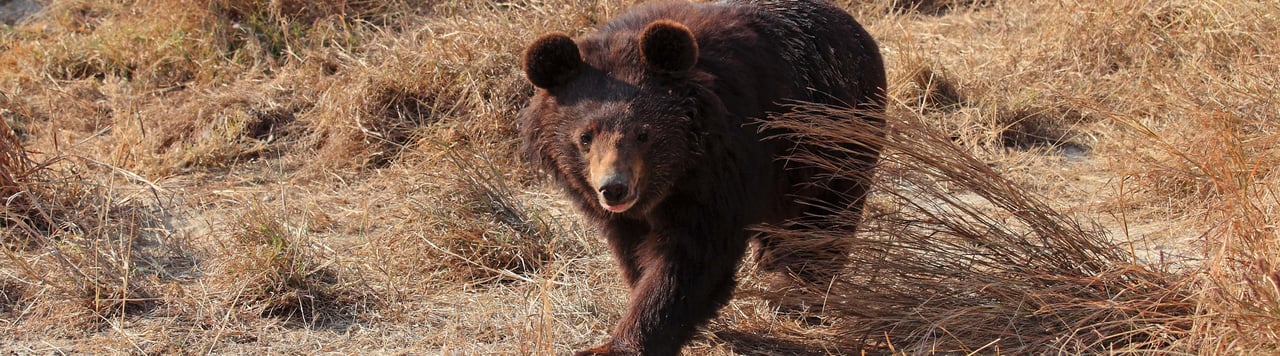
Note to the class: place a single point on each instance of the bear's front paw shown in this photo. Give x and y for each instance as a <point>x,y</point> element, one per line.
<point>609,349</point>
<point>602,350</point>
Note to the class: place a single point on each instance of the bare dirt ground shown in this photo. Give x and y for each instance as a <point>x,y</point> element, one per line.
<point>340,176</point>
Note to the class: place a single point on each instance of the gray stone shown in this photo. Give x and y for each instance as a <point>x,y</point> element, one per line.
<point>12,11</point>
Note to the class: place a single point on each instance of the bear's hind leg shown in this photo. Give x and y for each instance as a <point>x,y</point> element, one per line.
<point>814,249</point>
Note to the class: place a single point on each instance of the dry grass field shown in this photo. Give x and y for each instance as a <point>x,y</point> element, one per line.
<point>334,176</point>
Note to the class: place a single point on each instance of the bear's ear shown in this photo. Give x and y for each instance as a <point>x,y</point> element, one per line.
<point>668,46</point>
<point>552,60</point>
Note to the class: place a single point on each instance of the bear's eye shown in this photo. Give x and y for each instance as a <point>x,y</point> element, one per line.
<point>585,139</point>
<point>643,136</point>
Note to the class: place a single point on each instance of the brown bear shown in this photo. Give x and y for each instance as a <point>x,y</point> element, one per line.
<point>653,126</point>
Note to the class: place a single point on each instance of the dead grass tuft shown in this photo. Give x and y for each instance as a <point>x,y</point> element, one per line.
<point>1227,165</point>
<point>15,166</point>
<point>279,272</point>
<point>922,7</point>
<point>309,11</point>
<point>79,253</point>
<point>218,131</point>
<point>930,88</point>
<point>497,236</point>
<point>955,258</point>
<point>10,293</point>
<point>1051,129</point>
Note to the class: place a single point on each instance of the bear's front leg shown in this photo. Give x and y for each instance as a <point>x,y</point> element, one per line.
<point>624,237</point>
<point>679,288</point>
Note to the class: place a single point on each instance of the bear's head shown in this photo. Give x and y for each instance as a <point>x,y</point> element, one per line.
<point>617,119</point>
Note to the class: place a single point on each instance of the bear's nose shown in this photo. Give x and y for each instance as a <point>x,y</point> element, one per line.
<point>613,193</point>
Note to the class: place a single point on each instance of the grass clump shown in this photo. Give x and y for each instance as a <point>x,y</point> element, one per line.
<point>1224,168</point>
<point>80,254</point>
<point>15,164</point>
<point>955,258</point>
<point>497,236</point>
<point>280,273</point>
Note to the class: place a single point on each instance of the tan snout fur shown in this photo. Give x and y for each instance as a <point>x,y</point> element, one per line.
<point>607,158</point>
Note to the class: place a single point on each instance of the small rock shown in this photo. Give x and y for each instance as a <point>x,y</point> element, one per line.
<point>12,11</point>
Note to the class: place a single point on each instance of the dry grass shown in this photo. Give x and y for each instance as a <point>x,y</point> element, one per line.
<point>955,258</point>
<point>337,176</point>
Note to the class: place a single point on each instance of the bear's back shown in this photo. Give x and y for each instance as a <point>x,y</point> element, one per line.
<point>761,54</point>
<point>836,57</point>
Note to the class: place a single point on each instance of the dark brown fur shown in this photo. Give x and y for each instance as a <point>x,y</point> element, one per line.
<point>650,124</point>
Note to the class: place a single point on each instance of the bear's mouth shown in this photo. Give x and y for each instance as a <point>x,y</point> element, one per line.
<point>620,206</point>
